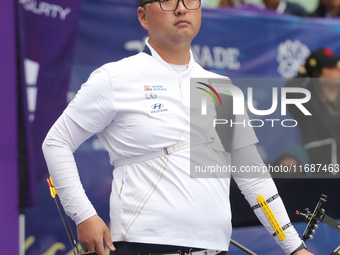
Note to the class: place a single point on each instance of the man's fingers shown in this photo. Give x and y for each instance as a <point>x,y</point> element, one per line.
<point>97,247</point>
<point>87,247</point>
<point>100,249</point>
<point>91,234</point>
<point>108,240</point>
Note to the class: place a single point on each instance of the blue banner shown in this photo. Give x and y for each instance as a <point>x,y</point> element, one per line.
<point>269,46</point>
<point>47,40</point>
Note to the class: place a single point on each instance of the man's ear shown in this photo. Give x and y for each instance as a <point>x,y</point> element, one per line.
<point>142,17</point>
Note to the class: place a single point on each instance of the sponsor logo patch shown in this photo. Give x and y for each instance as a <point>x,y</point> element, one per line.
<point>150,95</point>
<point>158,108</point>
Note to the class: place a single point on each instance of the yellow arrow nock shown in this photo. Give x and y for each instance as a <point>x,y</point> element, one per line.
<point>53,192</point>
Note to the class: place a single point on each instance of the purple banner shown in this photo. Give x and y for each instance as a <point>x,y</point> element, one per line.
<point>9,196</point>
<point>47,40</point>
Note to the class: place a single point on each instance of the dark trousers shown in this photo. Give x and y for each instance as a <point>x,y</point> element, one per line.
<point>127,248</point>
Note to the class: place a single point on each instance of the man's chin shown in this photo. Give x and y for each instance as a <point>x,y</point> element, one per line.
<point>185,34</point>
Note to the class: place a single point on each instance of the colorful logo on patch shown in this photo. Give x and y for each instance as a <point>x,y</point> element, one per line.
<point>212,89</point>
<point>147,88</point>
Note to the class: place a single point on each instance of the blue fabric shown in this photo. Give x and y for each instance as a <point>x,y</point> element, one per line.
<point>126,248</point>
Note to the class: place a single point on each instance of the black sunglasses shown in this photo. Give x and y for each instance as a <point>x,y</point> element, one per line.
<point>171,5</point>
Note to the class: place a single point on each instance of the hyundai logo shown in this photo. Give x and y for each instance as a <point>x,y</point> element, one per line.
<point>157,106</point>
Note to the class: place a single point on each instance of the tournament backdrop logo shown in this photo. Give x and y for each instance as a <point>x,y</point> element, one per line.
<point>291,55</point>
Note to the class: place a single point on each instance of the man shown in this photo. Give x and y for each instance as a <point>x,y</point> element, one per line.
<point>155,207</point>
<point>320,130</point>
<point>230,3</point>
<point>327,9</point>
<point>283,6</point>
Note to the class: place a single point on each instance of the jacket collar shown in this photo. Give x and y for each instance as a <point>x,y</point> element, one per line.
<point>152,52</point>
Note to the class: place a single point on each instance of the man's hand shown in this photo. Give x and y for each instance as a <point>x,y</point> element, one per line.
<point>303,252</point>
<point>91,234</point>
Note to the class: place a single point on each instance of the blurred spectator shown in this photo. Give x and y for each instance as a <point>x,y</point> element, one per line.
<point>320,131</point>
<point>327,9</point>
<point>230,3</point>
<point>283,6</point>
<point>294,157</point>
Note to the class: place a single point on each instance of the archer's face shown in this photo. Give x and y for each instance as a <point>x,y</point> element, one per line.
<point>169,27</point>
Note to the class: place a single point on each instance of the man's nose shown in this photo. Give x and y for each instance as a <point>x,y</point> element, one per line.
<point>180,7</point>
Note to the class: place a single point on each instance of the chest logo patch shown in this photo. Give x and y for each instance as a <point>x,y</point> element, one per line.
<point>154,88</point>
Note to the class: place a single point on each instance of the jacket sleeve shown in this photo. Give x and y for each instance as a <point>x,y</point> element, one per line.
<point>62,140</point>
<point>252,184</point>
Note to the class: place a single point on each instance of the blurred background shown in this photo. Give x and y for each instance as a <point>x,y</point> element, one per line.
<point>49,48</point>
<point>308,5</point>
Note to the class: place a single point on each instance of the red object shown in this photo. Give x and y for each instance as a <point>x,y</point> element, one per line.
<point>328,52</point>
<point>297,212</point>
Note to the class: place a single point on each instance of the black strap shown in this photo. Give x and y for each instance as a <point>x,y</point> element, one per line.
<point>271,199</point>
<point>284,228</point>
